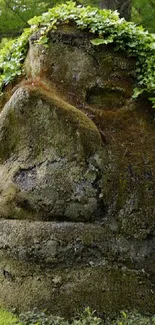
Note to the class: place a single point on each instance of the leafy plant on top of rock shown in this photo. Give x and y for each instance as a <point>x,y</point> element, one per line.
<point>107,28</point>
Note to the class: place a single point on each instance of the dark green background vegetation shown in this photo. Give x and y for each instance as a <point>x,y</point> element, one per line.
<point>14,14</point>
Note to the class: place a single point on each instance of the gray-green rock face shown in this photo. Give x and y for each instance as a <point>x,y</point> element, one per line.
<point>64,267</point>
<point>83,74</point>
<point>52,159</point>
<point>77,176</point>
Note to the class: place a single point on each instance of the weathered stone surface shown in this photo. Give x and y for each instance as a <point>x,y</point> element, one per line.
<point>77,168</point>
<point>51,244</point>
<point>52,158</point>
<point>61,267</point>
<point>84,74</point>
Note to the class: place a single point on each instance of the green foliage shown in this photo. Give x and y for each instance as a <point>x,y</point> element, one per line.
<point>143,13</point>
<point>107,27</point>
<point>35,318</point>
<point>4,42</point>
<point>12,56</point>
<point>133,319</point>
<point>86,318</point>
<point>152,99</point>
<point>6,318</point>
<point>14,14</point>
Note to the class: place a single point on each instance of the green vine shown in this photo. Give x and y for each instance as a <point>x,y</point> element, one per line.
<point>107,27</point>
<point>12,56</point>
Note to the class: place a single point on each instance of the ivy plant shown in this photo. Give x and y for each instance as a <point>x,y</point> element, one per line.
<point>107,28</point>
<point>12,56</point>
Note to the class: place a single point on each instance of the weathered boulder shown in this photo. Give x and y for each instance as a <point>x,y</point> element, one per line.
<point>100,82</point>
<point>77,176</point>
<point>50,155</point>
<point>65,267</point>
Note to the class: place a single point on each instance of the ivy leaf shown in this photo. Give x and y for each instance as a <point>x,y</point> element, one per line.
<point>137,92</point>
<point>98,41</point>
<point>35,21</point>
<point>43,40</point>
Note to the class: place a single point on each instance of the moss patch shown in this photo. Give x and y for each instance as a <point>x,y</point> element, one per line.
<point>7,318</point>
<point>108,99</point>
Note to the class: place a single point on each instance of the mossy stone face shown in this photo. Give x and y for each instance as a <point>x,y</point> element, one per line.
<point>77,173</point>
<point>77,68</point>
<point>51,151</point>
